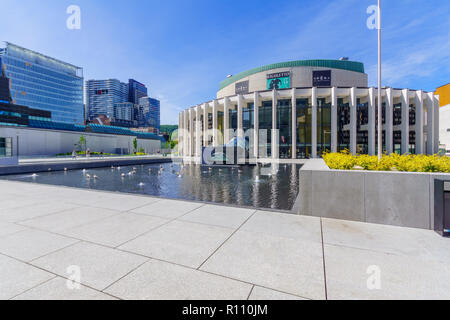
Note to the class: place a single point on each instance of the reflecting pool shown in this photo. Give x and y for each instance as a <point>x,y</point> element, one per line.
<point>274,186</point>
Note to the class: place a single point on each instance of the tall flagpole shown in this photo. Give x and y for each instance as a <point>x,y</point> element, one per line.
<point>380,120</point>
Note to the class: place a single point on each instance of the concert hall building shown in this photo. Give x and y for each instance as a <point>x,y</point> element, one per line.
<point>300,109</point>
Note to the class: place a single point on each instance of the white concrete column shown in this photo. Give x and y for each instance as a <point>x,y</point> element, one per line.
<point>419,122</point>
<point>389,126</point>
<point>240,106</point>
<point>314,123</point>
<point>405,121</point>
<point>205,124</point>
<point>275,139</point>
<point>215,126</point>
<point>353,114</point>
<point>430,122</point>
<point>372,137</point>
<point>180,133</point>
<point>186,133</point>
<point>294,124</point>
<point>256,124</point>
<point>226,120</point>
<point>198,138</point>
<point>436,123</point>
<point>334,119</point>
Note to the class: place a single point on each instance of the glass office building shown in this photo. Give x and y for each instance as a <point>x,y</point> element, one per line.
<point>126,104</point>
<point>102,95</point>
<point>149,113</point>
<point>41,82</point>
<point>124,115</point>
<point>136,91</point>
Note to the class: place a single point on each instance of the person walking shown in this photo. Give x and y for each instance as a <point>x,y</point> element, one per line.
<point>88,153</point>
<point>74,154</point>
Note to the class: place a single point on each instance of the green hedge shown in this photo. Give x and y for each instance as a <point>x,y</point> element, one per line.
<point>393,162</point>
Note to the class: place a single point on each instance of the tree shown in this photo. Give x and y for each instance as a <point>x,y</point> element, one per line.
<point>168,128</point>
<point>82,143</point>
<point>135,144</point>
<point>173,144</point>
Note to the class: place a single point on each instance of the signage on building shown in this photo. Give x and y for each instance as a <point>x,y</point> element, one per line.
<point>102,91</point>
<point>241,87</point>
<point>322,78</point>
<point>279,80</point>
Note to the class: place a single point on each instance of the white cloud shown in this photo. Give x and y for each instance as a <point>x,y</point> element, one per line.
<point>418,60</point>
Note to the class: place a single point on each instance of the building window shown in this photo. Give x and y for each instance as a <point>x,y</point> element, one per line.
<point>232,118</point>
<point>412,142</point>
<point>397,142</point>
<point>5,147</point>
<point>284,119</point>
<point>304,116</point>
<point>343,125</point>
<point>362,119</point>
<point>397,114</point>
<point>412,114</point>
<point>247,117</point>
<point>323,126</point>
<point>265,123</point>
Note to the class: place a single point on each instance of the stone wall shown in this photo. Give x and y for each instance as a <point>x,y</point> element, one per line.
<point>41,142</point>
<point>392,198</point>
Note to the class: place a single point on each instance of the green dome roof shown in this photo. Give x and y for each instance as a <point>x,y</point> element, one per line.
<point>334,64</point>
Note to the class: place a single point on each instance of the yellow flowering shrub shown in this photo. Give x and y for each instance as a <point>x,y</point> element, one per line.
<point>394,162</point>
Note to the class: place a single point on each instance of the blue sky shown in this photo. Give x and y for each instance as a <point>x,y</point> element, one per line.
<point>182,49</point>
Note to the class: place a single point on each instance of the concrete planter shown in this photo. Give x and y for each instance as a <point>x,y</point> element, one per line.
<point>393,198</point>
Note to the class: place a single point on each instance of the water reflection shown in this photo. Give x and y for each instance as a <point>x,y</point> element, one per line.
<point>276,186</point>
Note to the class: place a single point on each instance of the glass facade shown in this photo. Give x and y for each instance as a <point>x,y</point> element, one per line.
<point>5,147</point>
<point>124,114</point>
<point>151,113</point>
<point>284,119</point>
<point>11,114</point>
<point>41,82</point>
<point>362,121</point>
<point>265,123</point>
<point>397,120</point>
<point>343,126</point>
<point>295,134</point>
<point>102,95</point>
<point>247,117</point>
<point>136,91</point>
<point>323,126</point>
<point>232,119</point>
<point>412,134</point>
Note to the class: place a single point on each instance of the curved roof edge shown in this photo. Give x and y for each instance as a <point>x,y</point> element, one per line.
<point>334,64</point>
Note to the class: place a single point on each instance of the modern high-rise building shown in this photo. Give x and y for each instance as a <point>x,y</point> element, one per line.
<point>5,95</point>
<point>149,113</point>
<point>136,90</point>
<point>126,104</point>
<point>45,83</point>
<point>102,95</point>
<point>124,115</point>
<point>16,115</point>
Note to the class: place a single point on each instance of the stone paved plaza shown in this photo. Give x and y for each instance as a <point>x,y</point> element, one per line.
<point>139,247</point>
